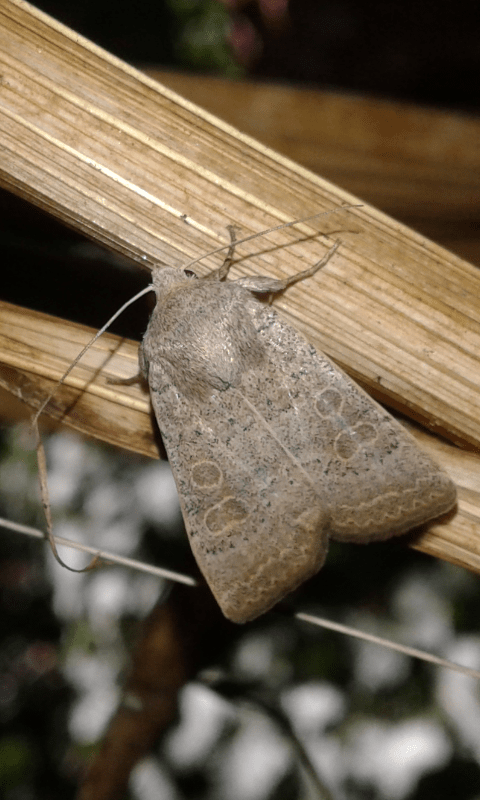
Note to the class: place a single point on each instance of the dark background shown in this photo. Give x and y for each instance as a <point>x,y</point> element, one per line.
<point>427,52</point>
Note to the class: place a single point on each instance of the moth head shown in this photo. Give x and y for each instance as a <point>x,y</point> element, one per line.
<point>166,278</point>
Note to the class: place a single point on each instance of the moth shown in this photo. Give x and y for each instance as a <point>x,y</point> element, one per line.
<point>273,448</point>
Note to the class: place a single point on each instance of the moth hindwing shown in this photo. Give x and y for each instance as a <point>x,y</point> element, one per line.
<point>273,448</point>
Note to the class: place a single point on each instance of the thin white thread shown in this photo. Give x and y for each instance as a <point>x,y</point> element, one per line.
<point>104,555</point>
<point>401,648</point>
<point>87,347</point>
<point>300,615</point>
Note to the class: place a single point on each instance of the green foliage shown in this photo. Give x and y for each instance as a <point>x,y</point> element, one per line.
<point>200,37</point>
<point>16,759</point>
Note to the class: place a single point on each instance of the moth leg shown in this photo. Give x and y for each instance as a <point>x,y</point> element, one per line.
<point>221,273</point>
<point>308,273</point>
<point>138,378</point>
<point>262,284</point>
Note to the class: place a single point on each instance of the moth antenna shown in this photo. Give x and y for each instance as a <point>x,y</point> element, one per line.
<point>147,289</point>
<point>42,472</point>
<point>269,230</point>
<point>87,347</point>
<point>41,459</point>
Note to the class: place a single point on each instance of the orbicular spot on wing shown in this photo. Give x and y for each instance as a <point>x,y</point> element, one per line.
<point>224,515</point>
<point>345,445</point>
<point>365,432</point>
<point>206,474</point>
<point>328,402</point>
<point>348,442</point>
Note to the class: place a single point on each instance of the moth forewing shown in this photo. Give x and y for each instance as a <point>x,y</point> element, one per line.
<point>273,448</point>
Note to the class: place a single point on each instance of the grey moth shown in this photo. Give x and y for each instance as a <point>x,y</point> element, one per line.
<point>273,448</point>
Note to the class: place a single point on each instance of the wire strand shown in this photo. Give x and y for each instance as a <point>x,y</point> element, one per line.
<point>312,619</point>
<point>400,648</point>
<point>104,555</point>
